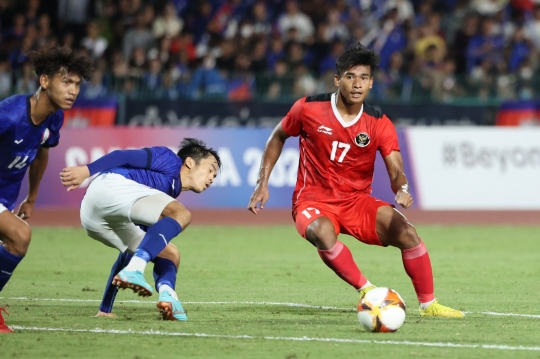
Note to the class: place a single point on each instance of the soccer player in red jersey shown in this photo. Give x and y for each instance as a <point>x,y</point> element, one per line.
<point>340,135</point>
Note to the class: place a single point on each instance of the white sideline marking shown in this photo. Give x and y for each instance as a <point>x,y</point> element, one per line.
<point>283,304</point>
<point>328,340</point>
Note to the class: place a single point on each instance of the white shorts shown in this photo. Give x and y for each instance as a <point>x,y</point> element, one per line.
<point>106,210</point>
<point>2,208</point>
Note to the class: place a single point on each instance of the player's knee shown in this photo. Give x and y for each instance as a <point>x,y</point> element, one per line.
<point>406,236</point>
<point>20,240</point>
<point>178,212</point>
<point>321,233</point>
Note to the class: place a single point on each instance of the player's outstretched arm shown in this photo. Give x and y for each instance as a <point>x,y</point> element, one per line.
<point>398,180</point>
<point>35,174</point>
<point>72,177</point>
<point>271,154</point>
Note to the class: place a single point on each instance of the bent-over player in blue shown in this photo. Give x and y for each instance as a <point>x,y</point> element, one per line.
<point>29,126</point>
<point>137,188</point>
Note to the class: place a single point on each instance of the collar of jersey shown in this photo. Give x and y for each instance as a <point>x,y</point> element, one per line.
<point>338,116</point>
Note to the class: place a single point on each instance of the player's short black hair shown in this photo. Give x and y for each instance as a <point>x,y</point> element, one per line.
<point>57,59</point>
<point>197,149</point>
<point>357,54</point>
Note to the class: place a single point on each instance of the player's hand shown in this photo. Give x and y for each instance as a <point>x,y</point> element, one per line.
<point>404,199</point>
<point>103,314</point>
<point>260,195</point>
<point>72,177</point>
<point>25,209</point>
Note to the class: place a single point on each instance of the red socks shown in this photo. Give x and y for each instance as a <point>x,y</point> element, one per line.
<point>418,267</point>
<point>339,258</point>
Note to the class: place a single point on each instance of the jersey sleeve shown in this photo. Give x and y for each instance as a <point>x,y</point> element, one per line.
<point>388,140</point>
<point>122,158</point>
<point>165,161</point>
<point>292,122</point>
<point>53,137</point>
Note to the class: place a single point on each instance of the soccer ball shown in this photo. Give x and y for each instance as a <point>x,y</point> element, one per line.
<point>381,310</point>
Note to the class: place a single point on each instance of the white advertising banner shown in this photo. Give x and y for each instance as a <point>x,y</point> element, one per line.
<point>467,168</point>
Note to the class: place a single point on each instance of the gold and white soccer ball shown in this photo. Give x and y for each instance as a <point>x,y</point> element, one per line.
<point>381,310</point>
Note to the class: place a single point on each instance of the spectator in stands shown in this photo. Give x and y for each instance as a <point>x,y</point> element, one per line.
<point>227,57</point>
<point>260,19</point>
<point>430,43</point>
<point>93,42</point>
<point>259,62</point>
<point>532,27</point>
<point>168,23</point>
<point>304,82</point>
<point>280,82</point>
<point>5,77</point>
<point>207,81</point>
<point>488,7</point>
<point>294,18</point>
<point>152,76</point>
<point>44,30</point>
<point>95,88</point>
<point>335,28</point>
<point>295,55</point>
<point>276,52</point>
<point>20,54</point>
<point>73,17</point>
<point>18,30</point>
<point>461,42</point>
<point>138,36</point>
<point>520,50</point>
<point>405,9</point>
<point>27,81</point>
<point>484,46</point>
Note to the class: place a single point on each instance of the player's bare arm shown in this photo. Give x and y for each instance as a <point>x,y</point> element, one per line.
<point>72,177</point>
<point>35,174</point>
<point>398,180</point>
<point>271,154</point>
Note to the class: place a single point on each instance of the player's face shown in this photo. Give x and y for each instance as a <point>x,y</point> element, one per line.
<point>204,174</point>
<point>354,84</point>
<point>63,89</point>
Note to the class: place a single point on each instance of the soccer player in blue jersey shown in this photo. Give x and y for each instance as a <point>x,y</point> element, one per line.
<point>29,126</point>
<point>139,187</point>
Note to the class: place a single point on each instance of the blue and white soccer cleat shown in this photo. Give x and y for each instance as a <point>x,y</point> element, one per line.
<point>133,280</point>
<point>170,308</point>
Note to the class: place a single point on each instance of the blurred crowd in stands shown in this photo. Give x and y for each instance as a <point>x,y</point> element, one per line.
<point>438,50</point>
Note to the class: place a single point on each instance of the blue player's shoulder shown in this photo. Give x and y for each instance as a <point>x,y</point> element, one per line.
<point>13,104</point>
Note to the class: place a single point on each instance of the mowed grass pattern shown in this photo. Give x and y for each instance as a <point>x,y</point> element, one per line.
<point>477,269</point>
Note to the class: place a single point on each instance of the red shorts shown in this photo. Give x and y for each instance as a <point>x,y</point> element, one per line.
<point>356,216</point>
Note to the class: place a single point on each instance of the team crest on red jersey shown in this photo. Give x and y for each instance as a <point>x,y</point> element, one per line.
<point>45,136</point>
<point>362,139</point>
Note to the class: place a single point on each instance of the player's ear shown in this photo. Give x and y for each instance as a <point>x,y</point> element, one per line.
<point>371,82</point>
<point>336,80</point>
<point>189,162</point>
<point>44,82</point>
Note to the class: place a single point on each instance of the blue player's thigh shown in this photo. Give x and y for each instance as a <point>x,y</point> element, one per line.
<point>147,210</point>
<point>114,195</point>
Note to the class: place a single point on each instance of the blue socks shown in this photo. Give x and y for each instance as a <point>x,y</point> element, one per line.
<point>109,295</point>
<point>164,272</point>
<point>8,263</point>
<point>157,237</point>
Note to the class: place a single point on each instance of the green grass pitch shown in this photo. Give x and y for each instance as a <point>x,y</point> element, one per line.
<point>241,286</point>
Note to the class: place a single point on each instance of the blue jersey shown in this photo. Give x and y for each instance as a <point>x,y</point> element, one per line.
<point>20,140</point>
<point>161,172</point>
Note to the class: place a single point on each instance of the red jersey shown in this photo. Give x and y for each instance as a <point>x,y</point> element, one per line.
<point>337,158</point>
